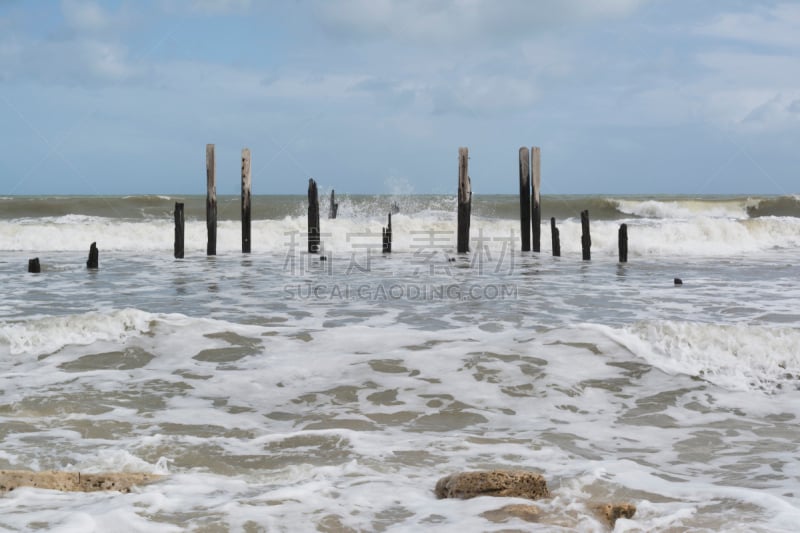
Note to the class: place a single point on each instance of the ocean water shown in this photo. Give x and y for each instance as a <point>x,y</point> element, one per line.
<point>280,392</point>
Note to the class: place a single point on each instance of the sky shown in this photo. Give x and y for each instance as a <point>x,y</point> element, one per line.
<point>376,96</point>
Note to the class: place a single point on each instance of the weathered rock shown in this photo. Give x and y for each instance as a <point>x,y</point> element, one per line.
<point>611,511</point>
<point>73,481</point>
<point>529,513</point>
<point>509,483</point>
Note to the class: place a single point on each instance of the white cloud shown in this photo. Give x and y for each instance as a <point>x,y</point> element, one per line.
<point>778,25</point>
<point>209,7</point>
<point>82,15</point>
<point>460,21</point>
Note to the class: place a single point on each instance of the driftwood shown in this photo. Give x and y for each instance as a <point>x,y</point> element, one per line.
<point>73,481</point>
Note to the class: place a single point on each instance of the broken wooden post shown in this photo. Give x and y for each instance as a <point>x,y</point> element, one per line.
<point>334,207</point>
<point>179,230</point>
<point>464,201</point>
<point>246,181</point>
<point>94,257</point>
<point>211,201</point>
<point>536,212</point>
<point>33,266</point>
<point>525,198</point>
<point>387,236</point>
<point>623,243</point>
<point>555,238</point>
<point>586,238</point>
<point>313,218</point>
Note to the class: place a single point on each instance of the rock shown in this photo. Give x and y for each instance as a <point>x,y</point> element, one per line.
<point>612,511</point>
<point>73,481</point>
<point>529,513</point>
<point>508,483</point>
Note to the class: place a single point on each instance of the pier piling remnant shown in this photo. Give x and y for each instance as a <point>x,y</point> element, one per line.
<point>586,238</point>
<point>246,183</point>
<point>387,236</point>
<point>536,211</point>
<point>525,198</point>
<point>313,218</point>
<point>464,201</point>
<point>94,257</point>
<point>623,243</point>
<point>211,201</point>
<point>33,266</point>
<point>179,230</point>
<point>556,239</point>
<point>333,209</point>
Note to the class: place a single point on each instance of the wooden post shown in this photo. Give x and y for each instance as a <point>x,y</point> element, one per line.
<point>313,218</point>
<point>536,183</point>
<point>387,236</point>
<point>179,230</point>
<point>555,238</point>
<point>623,243</point>
<point>246,182</point>
<point>464,201</point>
<point>525,198</point>
<point>211,201</point>
<point>586,238</point>
<point>334,207</point>
<point>94,257</point>
<point>33,266</point>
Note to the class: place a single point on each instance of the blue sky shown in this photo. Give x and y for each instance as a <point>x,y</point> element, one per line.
<point>376,96</point>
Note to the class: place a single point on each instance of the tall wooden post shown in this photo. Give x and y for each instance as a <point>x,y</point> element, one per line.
<point>387,236</point>
<point>586,237</point>
<point>211,201</point>
<point>313,218</point>
<point>33,266</point>
<point>525,198</point>
<point>464,201</point>
<point>623,243</point>
<point>94,257</point>
<point>536,184</point>
<point>246,182</point>
<point>179,230</point>
<point>333,209</point>
<point>556,239</point>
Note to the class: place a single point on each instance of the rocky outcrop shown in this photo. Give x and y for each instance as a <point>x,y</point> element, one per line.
<point>507,483</point>
<point>611,511</point>
<point>519,484</point>
<point>73,481</point>
<point>529,513</point>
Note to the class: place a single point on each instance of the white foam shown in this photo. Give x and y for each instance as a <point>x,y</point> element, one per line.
<point>683,209</point>
<point>49,334</point>
<point>421,233</point>
<point>737,357</point>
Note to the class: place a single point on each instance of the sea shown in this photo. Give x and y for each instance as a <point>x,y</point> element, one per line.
<point>286,391</point>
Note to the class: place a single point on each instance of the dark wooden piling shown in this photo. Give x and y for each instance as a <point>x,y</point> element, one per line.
<point>313,218</point>
<point>536,211</point>
<point>464,201</point>
<point>179,230</point>
<point>555,237</point>
<point>33,266</point>
<point>93,262</point>
<point>333,209</point>
<point>246,184</point>
<point>211,201</point>
<point>525,199</point>
<point>623,243</point>
<point>586,237</point>
<point>387,236</point>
